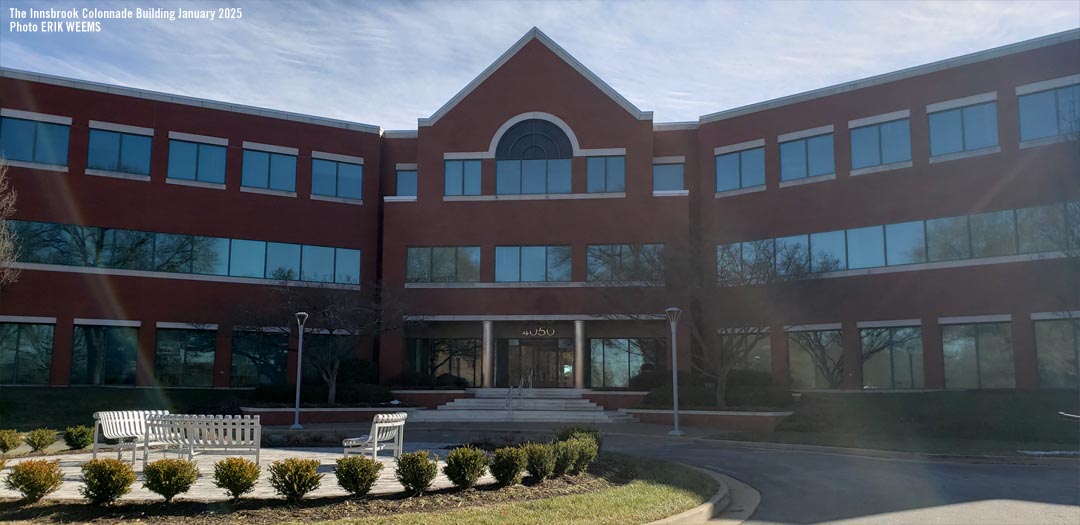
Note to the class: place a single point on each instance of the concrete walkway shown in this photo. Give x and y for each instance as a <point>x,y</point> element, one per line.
<point>204,489</point>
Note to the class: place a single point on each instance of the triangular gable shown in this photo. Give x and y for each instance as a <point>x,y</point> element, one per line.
<point>539,35</point>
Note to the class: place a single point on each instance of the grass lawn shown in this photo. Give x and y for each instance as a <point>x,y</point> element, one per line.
<point>904,443</point>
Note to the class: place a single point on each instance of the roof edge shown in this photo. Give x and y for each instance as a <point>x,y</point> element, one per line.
<point>537,34</point>
<point>113,89</point>
<point>884,78</point>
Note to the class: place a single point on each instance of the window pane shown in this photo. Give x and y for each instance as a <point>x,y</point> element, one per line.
<point>453,177</point>
<point>596,362</point>
<point>282,261</point>
<point>753,167</point>
<point>104,150</point>
<point>819,151</point>
<point>25,353</point>
<point>468,264</point>
<point>350,181</point>
<point>418,265</point>
<point>472,177</point>
<point>52,144</point>
<point>947,239</point>
<point>184,357</point>
<point>866,247</point>
<point>507,264</point>
<point>508,177</point>
<point>793,160</point>
<point>317,264</point>
<point>558,263</point>
<point>533,263</point>
<point>259,358</point>
<point>256,169</point>
<point>876,359</point>
<point>996,369</point>
<point>172,253</point>
<point>283,172</point>
<point>905,242</point>
<point>728,262</point>
<point>758,258</point>
<point>1038,115</point>
<point>601,262</point>
<point>616,363</point>
<point>828,252</point>
<point>980,126</point>
<point>667,177</point>
<point>1069,109</point>
<point>17,139</point>
<point>1056,345</point>
<point>1041,229</point>
<point>907,358</point>
<point>406,183</point>
<point>727,172</point>
<point>616,174</point>
<point>945,133</point>
<point>248,258</point>
<point>129,250</point>
<point>104,355</point>
<point>815,359</point>
<point>559,176</point>
<point>323,177</point>
<point>533,176</point>
<point>443,261</point>
<point>135,154</point>
<point>212,163</point>
<point>958,346</point>
<point>792,255</point>
<point>210,255</point>
<point>182,160</point>
<point>9,340</point>
<point>993,234</point>
<point>595,178</point>
<point>895,142</point>
<point>347,266</point>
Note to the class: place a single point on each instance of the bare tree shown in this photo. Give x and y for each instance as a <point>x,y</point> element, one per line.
<point>8,243</point>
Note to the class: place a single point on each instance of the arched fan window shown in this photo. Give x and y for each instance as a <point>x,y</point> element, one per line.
<point>533,157</point>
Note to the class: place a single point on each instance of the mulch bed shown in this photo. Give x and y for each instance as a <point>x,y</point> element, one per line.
<point>601,475</point>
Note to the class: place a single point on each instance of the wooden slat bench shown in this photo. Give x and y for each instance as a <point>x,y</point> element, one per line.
<point>127,427</point>
<point>384,428</point>
<point>184,434</point>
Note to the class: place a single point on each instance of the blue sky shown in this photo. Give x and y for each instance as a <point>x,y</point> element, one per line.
<point>387,63</point>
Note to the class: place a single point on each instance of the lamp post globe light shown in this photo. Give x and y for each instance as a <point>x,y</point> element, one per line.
<point>301,318</point>
<point>673,314</point>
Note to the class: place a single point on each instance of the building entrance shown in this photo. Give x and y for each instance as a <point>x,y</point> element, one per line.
<point>540,363</point>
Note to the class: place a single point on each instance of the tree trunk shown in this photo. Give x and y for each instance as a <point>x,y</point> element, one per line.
<point>331,389</point>
<point>721,387</point>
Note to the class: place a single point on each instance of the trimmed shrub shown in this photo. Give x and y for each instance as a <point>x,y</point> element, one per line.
<point>9,440</point>
<point>507,465</point>
<point>293,478</point>
<point>78,437</point>
<point>40,438</point>
<point>357,474</point>
<point>416,471</point>
<point>169,477</point>
<point>35,478</point>
<point>465,465</point>
<point>566,433</point>
<point>566,456</point>
<point>540,460</point>
<point>236,475</point>
<point>587,450</point>
<point>105,480</point>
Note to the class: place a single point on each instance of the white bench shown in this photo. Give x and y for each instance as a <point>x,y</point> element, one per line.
<point>184,434</point>
<point>127,427</point>
<point>384,428</point>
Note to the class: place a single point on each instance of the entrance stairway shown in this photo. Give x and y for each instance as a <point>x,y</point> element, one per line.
<point>536,405</point>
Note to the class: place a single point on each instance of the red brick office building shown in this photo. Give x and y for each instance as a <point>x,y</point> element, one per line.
<point>529,227</point>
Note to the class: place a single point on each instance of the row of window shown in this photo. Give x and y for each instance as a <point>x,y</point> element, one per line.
<point>528,176</point>
<point>89,246</point>
<point>120,152</point>
<point>975,356</point>
<point>1008,232</point>
<point>607,262</point>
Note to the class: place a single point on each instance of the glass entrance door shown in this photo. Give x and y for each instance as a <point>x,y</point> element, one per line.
<point>549,363</point>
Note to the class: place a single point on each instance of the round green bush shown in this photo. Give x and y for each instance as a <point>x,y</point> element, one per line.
<point>293,478</point>
<point>566,433</point>
<point>540,460</point>
<point>35,478</point>
<point>105,480</point>
<point>169,477</point>
<point>236,475</point>
<point>416,471</point>
<point>40,438</point>
<point>465,465</point>
<point>587,450</point>
<point>566,456</point>
<point>9,440</point>
<point>78,437</point>
<point>507,465</point>
<point>357,474</point>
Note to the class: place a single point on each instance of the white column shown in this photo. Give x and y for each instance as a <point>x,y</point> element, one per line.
<point>487,363</point>
<point>579,354</point>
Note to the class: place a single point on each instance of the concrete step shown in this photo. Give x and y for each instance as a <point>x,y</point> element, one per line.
<point>522,404</point>
<point>546,393</point>
<point>522,416</point>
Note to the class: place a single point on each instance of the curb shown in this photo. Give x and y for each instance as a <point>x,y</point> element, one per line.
<point>706,511</point>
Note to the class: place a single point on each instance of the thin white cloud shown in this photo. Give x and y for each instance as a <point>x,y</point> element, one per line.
<point>387,63</point>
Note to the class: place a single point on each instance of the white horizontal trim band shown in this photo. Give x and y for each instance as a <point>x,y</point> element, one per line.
<point>27,319</point>
<point>670,193</point>
<point>583,317</point>
<point>187,326</point>
<point>974,319</point>
<point>944,264</point>
<point>536,284</point>
<point>178,276</point>
<point>1047,84</point>
<point>808,180</point>
<point>674,126</point>
<point>671,159</point>
<point>204,139</point>
<point>742,146</point>
<point>878,119</point>
<point>878,169</point>
<point>399,198</point>
<point>811,327</point>
<point>1045,141</point>
<point>965,154</point>
<point>35,166</point>
<point>121,128</point>
<point>740,191</point>
<point>735,413</point>
<point>1049,316</point>
<point>475,155</point>
<point>901,323</point>
<point>601,152</point>
<point>270,148</point>
<point>342,200</point>
<point>196,184</point>
<point>405,167</point>
<point>337,157</point>
<point>961,102</point>
<point>534,197</point>
<point>806,133</point>
<point>118,175</point>
<point>267,191</point>
<point>39,117</point>
<point>106,322</point>
<point>264,329</point>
